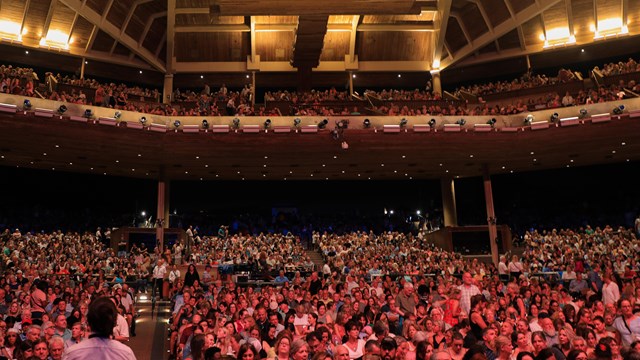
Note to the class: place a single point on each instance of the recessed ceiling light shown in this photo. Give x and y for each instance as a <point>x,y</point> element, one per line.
<point>201,76</point>
<point>571,160</point>
<point>323,165</point>
<point>264,175</point>
<point>147,174</point>
<point>31,162</point>
<point>613,151</point>
<point>504,167</point>
<point>403,156</point>
<point>70,163</point>
<point>3,156</point>
<point>406,174</point>
<point>411,178</point>
<point>243,179</point>
<point>335,156</point>
<point>265,165</point>
<point>266,157</point>
<point>117,161</point>
<point>368,178</point>
<point>535,160</point>
<point>532,153</point>
<point>399,75</point>
<point>26,52</point>
<point>133,169</point>
<point>326,178</point>
<point>53,168</point>
<point>381,164</point>
<point>197,157</point>
<point>290,172</point>
<point>285,178</point>
<point>471,155</point>
<point>628,160</point>
<point>343,171</point>
<point>358,175</point>
<point>186,172</point>
<point>446,171</point>
<point>139,155</point>
<point>311,175</point>
<point>624,143</point>
<point>140,71</point>
<point>567,165</point>
<point>90,168</point>
<point>57,146</point>
<point>238,172</point>
<point>440,164</point>
<point>457,176</point>
<point>395,171</point>
<point>217,175</point>
<point>511,171</point>
<point>206,165</point>
<point>200,179</point>
<point>45,154</point>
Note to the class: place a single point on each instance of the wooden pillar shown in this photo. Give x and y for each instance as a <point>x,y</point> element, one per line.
<point>491,215</point>
<point>253,88</point>
<point>437,85</point>
<point>167,93</point>
<point>82,68</point>
<point>350,82</point>
<point>449,202</point>
<point>162,213</point>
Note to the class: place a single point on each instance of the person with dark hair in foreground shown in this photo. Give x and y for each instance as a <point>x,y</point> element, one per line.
<point>102,319</point>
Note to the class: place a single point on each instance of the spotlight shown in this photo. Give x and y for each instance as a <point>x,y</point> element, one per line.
<point>205,124</point>
<point>432,123</point>
<point>88,113</point>
<point>529,119</point>
<point>366,123</point>
<point>342,124</point>
<point>117,115</point>
<point>143,120</point>
<point>296,122</point>
<point>27,104</point>
<point>323,124</point>
<point>403,122</point>
<point>492,122</point>
<point>461,122</point>
<point>267,123</point>
<point>62,109</point>
<point>617,110</point>
<point>583,113</point>
<point>554,117</point>
<point>177,123</point>
<point>236,123</point>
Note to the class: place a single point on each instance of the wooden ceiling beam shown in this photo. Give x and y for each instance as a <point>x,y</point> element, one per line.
<point>505,27</point>
<point>353,37</point>
<point>465,32</point>
<point>202,11</point>
<point>624,10</point>
<point>252,24</point>
<point>24,15</point>
<point>423,26</point>
<point>110,29</point>
<point>441,23</point>
<point>521,38</point>
<point>160,44</point>
<point>567,4</point>
<point>171,36</point>
<point>73,24</point>
<point>92,38</point>
<point>47,22</point>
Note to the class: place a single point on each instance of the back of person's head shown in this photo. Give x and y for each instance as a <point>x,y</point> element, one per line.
<point>525,355</point>
<point>545,354</point>
<point>476,352</point>
<point>102,316</point>
<point>197,347</point>
<point>211,353</point>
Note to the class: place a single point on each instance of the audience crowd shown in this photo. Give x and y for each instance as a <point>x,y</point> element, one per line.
<point>331,102</point>
<point>572,294</point>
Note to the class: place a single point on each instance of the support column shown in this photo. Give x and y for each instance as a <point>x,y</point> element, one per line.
<point>162,212</point>
<point>449,202</point>
<point>253,88</point>
<point>528,62</point>
<point>82,68</point>
<point>167,93</point>
<point>491,215</point>
<point>437,85</point>
<point>350,82</point>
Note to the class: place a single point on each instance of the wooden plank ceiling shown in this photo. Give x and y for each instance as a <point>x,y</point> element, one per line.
<point>334,35</point>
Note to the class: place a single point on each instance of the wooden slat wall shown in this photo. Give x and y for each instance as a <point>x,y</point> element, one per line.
<point>390,46</point>
<point>510,41</point>
<point>519,5</point>
<point>118,12</point>
<point>336,45</point>
<point>532,30</point>
<point>634,16</point>
<point>155,34</point>
<point>81,33</point>
<point>609,9</point>
<point>556,18</point>
<point>276,19</point>
<point>274,46</point>
<point>473,20</point>
<point>582,11</point>
<point>455,36</point>
<point>97,5</point>
<point>62,18</point>
<point>12,10</point>
<point>223,19</point>
<point>192,3</point>
<point>36,16</point>
<point>340,19</point>
<point>496,10</point>
<point>196,46</point>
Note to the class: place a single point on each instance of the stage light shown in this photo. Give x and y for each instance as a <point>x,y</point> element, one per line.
<point>177,123</point>
<point>236,123</point>
<point>492,122</point>
<point>322,124</point>
<point>554,117</point>
<point>205,124</point>
<point>529,119</point>
<point>432,123</point>
<point>366,123</point>
<point>583,113</point>
<point>27,104</point>
<point>117,115</point>
<point>403,122</point>
<point>296,122</point>
<point>62,109</point>
<point>267,123</point>
<point>342,124</point>
<point>88,113</point>
<point>143,120</point>
<point>618,110</point>
<point>461,122</point>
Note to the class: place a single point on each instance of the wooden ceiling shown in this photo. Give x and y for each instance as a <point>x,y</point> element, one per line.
<point>204,36</point>
<point>64,145</point>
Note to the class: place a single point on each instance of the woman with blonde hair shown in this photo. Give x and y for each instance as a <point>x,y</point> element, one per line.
<point>281,349</point>
<point>504,348</point>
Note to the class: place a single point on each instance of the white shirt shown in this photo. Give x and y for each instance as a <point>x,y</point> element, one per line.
<point>159,272</point>
<point>173,275</point>
<point>98,349</point>
<point>122,327</point>
<point>610,293</point>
